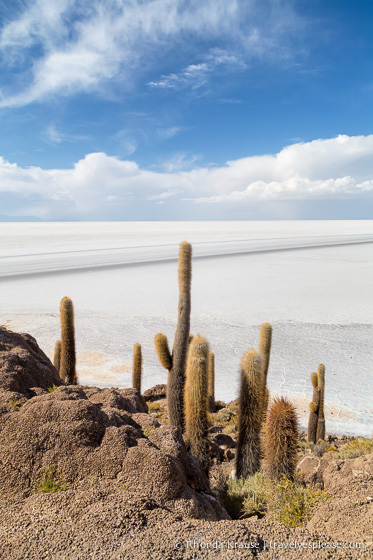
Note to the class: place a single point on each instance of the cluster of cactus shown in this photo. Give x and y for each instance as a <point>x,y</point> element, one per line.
<point>280,421</point>
<point>316,423</point>
<point>250,415</point>
<point>175,362</point>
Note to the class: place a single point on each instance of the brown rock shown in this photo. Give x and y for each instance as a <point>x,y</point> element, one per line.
<point>156,393</point>
<point>23,365</point>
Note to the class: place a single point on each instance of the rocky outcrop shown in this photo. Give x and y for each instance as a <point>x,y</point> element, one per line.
<point>155,393</point>
<point>25,370</point>
<point>78,435</point>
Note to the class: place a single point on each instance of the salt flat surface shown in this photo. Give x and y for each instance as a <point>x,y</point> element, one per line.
<point>318,300</point>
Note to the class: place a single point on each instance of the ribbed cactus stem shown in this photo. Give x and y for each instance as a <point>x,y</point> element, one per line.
<point>281,439</point>
<point>321,417</point>
<point>176,375</point>
<point>211,382</point>
<point>163,352</point>
<point>314,408</point>
<point>265,343</point>
<point>137,367</point>
<point>57,356</point>
<point>67,367</point>
<point>250,415</point>
<point>196,423</point>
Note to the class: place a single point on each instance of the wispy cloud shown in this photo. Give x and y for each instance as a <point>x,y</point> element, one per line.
<point>102,187</point>
<point>197,75</point>
<point>57,137</point>
<point>69,47</point>
<point>82,46</point>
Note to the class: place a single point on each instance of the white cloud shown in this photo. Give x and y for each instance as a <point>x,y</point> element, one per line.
<point>66,47</point>
<point>84,45</point>
<point>99,184</point>
<point>196,75</point>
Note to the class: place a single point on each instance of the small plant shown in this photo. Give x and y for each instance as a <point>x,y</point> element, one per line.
<point>286,501</point>
<point>320,448</point>
<point>154,407</point>
<point>16,404</point>
<point>291,503</point>
<point>48,483</point>
<point>355,448</point>
<point>51,389</point>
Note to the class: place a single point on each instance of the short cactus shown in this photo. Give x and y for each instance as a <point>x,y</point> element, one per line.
<point>57,356</point>
<point>196,424</point>
<point>211,382</point>
<point>176,362</point>
<point>314,408</point>
<point>67,367</point>
<point>250,415</point>
<point>281,439</point>
<point>137,367</point>
<point>320,434</point>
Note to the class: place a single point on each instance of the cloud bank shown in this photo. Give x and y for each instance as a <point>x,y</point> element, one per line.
<point>104,187</point>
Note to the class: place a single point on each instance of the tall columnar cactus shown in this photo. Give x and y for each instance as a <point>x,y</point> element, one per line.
<point>67,367</point>
<point>57,356</point>
<point>250,415</point>
<point>265,343</point>
<point>314,410</point>
<point>176,362</point>
<point>211,382</point>
<point>281,437</point>
<point>137,367</point>
<point>196,424</point>
<point>320,434</point>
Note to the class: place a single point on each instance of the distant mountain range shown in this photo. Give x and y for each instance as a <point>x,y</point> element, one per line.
<point>19,219</point>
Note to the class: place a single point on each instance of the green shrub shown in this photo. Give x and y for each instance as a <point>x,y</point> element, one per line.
<point>288,502</point>
<point>154,407</point>
<point>16,404</point>
<point>291,503</point>
<point>51,389</point>
<point>48,483</point>
<point>355,448</point>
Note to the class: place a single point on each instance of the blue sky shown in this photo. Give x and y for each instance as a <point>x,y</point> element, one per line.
<point>172,109</point>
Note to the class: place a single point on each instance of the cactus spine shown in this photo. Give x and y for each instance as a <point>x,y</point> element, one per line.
<point>196,424</point>
<point>137,367</point>
<point>67,367</point>
<point>211,382</point>
<point>250,415</point>
<point>320,434</point>
<point>281,437</point>
<point>57,356</point>
<point>314,409</point>
<point>176,362</point>
<point>265,343</point>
